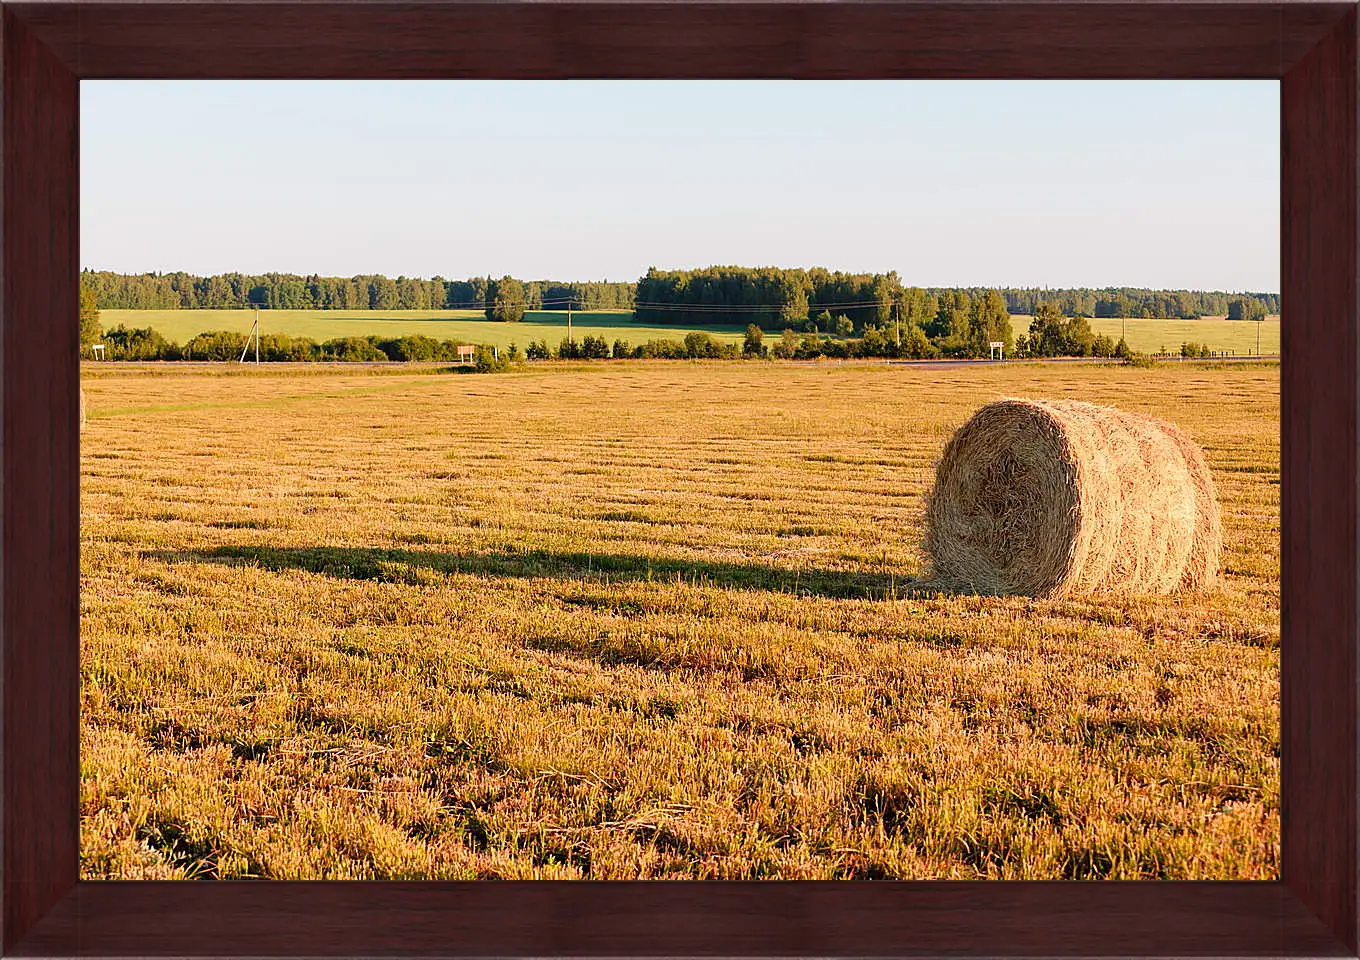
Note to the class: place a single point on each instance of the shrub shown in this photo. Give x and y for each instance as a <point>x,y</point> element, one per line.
<point>873,343</point>
<point>1052,335</point>
<point>622,350</point>
<point>352,350</point>
<point>486,359</point>
<point>143,343</point>
<point>210,345</point>
<point>662,350</point>
<point>537,350</point>
<point>414,348</point>
<point>917,345</point>
<point>809,347</point>
<point>754,344</point>
<point>279,347</point>
<point>594,348</point>
<point>700,345</point>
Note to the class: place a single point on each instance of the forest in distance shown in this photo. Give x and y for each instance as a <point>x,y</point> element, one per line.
<point>768,296</point>
<point>814,312</point>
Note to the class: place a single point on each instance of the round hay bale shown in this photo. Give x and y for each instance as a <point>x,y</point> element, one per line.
<point>82,409</point>
<point>1050,497</point>
<point>1201,568</point>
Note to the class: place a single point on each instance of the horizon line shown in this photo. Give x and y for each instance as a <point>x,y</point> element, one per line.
<point>478,276</point>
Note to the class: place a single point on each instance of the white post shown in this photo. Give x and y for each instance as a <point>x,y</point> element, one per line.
<point>254,332</point>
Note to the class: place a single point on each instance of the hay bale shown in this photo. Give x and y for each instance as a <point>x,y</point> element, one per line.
<point>1050,497</point>
<point>1201,568</point>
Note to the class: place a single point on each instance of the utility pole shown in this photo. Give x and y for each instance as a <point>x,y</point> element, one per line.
<point>254,332</point>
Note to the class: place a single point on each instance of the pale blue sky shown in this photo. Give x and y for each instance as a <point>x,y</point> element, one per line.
<point>1035,183</point>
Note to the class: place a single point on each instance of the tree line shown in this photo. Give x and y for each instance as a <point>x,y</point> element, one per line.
<point>774,297</point>
<point>1137,303</point>
<point>290,291</point>
<point>768,296</point>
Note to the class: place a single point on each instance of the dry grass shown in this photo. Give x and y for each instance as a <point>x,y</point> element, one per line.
<point>643,620</point>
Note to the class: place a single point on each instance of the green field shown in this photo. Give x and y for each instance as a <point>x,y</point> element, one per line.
<point>1144,336</point>
<point>1155,336</point>
<point>643,620</point>
<point>467,325</point>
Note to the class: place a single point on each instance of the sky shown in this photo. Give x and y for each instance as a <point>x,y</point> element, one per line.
<point>1163,184</point>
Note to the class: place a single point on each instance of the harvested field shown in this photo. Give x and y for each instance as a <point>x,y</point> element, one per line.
<point>643,620</point>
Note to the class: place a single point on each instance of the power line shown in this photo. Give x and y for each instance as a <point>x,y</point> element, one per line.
<point>758,308</point>
<point>574,303</point>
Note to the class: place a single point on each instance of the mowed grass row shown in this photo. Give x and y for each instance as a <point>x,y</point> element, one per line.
<point>644,620</point>
<point>1144,336</point>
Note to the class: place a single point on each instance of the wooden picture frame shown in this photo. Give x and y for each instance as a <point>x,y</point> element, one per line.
<point>49,45</point>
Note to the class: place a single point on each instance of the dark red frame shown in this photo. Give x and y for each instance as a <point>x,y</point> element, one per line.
<point>48,46</point>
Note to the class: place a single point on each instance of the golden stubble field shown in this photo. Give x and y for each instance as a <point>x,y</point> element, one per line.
<point>642,620</point>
